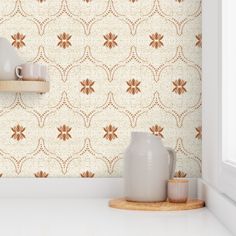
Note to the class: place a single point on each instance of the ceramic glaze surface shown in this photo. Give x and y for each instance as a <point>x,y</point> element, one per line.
<point>8,60</point>
<point>148,166</point>
<point>177,191</point>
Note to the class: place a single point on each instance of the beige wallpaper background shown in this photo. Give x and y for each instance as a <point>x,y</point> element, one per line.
<point>115,66</point>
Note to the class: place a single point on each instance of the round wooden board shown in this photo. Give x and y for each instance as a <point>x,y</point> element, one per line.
<point>24,86</point>
<point>155,206</point>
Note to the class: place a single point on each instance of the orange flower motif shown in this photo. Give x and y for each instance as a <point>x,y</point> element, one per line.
<point>179,1</point>
<point>87,86</point>
<point>64,40</point>
<point>64,132</point>
<point>87,174</point>
<point>110,40</point>
<point>110,132</point>
<point>18,40</point>
<point>41,174</point>
<point>199,132</point>
<point>157,130</point>
<point>199,40</point>
<point>18,132</point>
<point>41,0</point>
<point>179,86</point>
<point>133,0</point>
<point>156,40</point>
<point>133,86</point>
<point>87,0</point>
<point>180,174</point>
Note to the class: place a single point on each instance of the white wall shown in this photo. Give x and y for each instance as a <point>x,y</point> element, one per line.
<point>211,100</point>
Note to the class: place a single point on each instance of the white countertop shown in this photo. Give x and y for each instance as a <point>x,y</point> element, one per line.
<point>93,217</point>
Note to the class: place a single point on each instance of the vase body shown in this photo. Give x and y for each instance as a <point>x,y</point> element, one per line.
<point>8,60</point>
<point>147,167</point>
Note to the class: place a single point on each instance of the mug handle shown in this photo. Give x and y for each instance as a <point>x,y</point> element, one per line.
<point>18,70</point>
<point>172,163</point>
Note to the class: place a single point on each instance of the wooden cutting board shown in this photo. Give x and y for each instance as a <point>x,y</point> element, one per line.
<point>156,206</point>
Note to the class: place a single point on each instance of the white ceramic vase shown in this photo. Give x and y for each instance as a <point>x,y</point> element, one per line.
<point>148,166</point>
<point>8,60</point>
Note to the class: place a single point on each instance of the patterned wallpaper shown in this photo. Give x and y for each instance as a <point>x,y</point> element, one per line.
<point>115,66</point>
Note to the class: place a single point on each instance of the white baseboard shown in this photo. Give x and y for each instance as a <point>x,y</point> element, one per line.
<point>69,188</point>
<point>61,187</point>
<point>220,205</point>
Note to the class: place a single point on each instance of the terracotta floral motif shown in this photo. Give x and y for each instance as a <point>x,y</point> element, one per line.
<point>157,130</point>
<point>87,174</point>
<point>110,132</point>
<point>87,86</point>
<point>199,40</point>
<point>179,86</point>
<point>199,132</point>
<point>156,40</point>
<point>41,174</point>
<point>64,40</point>
<point>180,174</point>
<point>71,41</point>
<point>18,40</point>
<point>64,132</point>
<point>18,132</point>
<point>133,86</point>
<point>110,40</point>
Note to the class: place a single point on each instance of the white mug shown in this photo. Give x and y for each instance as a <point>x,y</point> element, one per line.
<point>31,71</point>
<point>43,72</point>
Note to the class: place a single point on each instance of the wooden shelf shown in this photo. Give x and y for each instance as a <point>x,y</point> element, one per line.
<point>19,86</point>
<point>121,203</point>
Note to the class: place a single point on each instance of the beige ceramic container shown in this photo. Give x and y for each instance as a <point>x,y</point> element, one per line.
<point>8,60</point>
<point>32,71</point>
<point>178,190</point>
<point>148,166</point>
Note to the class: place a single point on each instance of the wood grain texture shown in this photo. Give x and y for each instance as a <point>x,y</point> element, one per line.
<point>155,206</point>
<point>24,86</point>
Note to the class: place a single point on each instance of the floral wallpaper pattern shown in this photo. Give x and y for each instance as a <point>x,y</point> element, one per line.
<point>115,66</point>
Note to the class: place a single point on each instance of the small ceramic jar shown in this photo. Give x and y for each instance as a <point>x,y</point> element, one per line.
<point>178,190</point>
